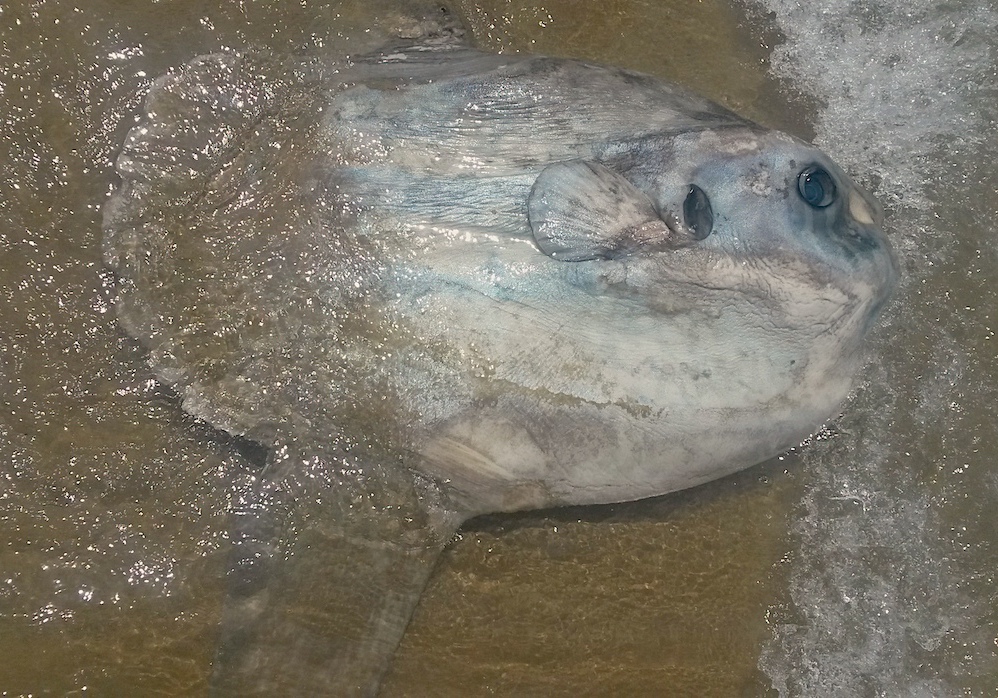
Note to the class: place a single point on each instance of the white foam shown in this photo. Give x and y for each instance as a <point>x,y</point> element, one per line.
<point>875,606</point>
<point>895,78</point>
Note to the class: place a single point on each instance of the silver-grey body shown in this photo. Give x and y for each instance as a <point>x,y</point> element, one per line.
<point>461,283</point>
<point>602,379</point>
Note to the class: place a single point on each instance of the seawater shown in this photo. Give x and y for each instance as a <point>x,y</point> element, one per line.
<point>862,564</point>
<point>891,569</point>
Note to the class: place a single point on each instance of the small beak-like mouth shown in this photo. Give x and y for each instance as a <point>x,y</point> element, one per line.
<point>862,235</point>
<point>886,266</point>
<point>861,229</point>
<point>864,208</point>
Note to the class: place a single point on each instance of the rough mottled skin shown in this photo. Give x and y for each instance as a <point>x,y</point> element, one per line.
<point>437,283</point>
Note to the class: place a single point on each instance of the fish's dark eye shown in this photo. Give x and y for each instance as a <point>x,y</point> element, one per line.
<point>816,186</point>
<point>697,212</point>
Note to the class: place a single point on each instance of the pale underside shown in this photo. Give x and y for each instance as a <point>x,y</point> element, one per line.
<point>336,261</point>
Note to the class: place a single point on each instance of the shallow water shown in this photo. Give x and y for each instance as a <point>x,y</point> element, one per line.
<point>863,566</point>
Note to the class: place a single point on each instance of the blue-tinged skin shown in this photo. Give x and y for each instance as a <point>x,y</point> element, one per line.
<point>535,210</point>
<point>437,283</point>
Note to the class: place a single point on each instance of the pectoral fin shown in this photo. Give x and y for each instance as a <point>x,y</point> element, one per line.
<point>581,210</point>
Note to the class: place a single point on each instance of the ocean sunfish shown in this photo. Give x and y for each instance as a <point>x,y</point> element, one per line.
<point>435,283</point>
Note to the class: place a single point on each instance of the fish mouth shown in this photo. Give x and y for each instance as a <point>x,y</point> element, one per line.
<point>865,238</point>
<point>866,231</point>
<point>890,275</point>
<point>864,207</point>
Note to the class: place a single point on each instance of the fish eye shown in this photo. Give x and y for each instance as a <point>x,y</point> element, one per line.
<point>816,186</point>
<point>697,212</point>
